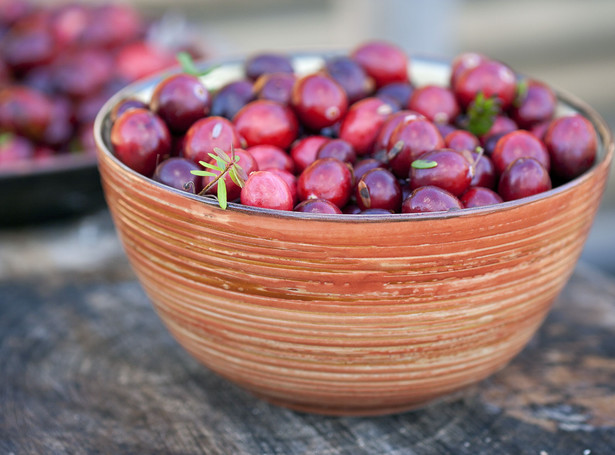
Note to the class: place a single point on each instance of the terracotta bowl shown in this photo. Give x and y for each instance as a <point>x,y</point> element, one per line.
<point>353,314</point>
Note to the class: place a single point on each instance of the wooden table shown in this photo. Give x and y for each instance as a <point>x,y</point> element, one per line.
<point>86,367</point>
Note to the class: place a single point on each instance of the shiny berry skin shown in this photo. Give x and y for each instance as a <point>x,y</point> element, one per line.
<point>386,130</point>
<point>266,122</point>
<point>326,178</point>
<point>351,76</point>
<point>337,148</point>
<point>538,105</point>
<point>378,189</point>
<point>124,105</point>
<point>479,197</point>
<point>289,178</point>
<point>304,151</point>
<point>365,165</point>
<point>141,140</point>
<point>267,190</point>
<point>463,62</point>
<point>206,134</point>
<point>384,62</point>
<point>430,199</point>
<point>524,177</point>
<point>362,123</point>
<point>409,141</point>
<point>482,170</point>
<point>175,172</point>
<point>317,206</point>
<point>461,140</point>
<point>266,63</point>
<point>180,100</point>
<point>275,87</point>
<point>572,145</point>
<point>396,92</point>
<point>436,103</point>
<point>519,144</point>
<point>318,101</point>
<point>502,124</point>
<point>451,173</point>
<point>227,101</point>
<point>492,78</point>
<point>271,157</point>
<point>247,163</point>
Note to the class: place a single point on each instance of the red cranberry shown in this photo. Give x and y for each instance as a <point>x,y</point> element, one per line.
<point>231,97</point>
<point>141,59</point>
<point>572,144</point>
<point>464,62</point>
<point>436,103</point>
<point>206,134</point>
<point>266,122</point>
<point>271,157</point>
<point>482,170</point>
<point>319,101</point>
<point>518,144</point>
<point>327,178</point>
<point>265,63</point>
<point>337,148</point>
<point>141,140</point>
<point>538,105</point>
<point>267,190</point>
<point>176,172</point>
<point>304,151</point>
<point>113,25</point>
<point>479,197</point>
<point>289,178</point>
<point>362,123</point>
<point>233,191</point>
<point>275,87</point>
<point>378,189</point>
<point>180,100</point>
<point>461,140</point>
<point>384,62</point>
<point>409,141</point>
<point>396,92</point>
<point>351,77</point>
<point>124,105</point>
<point>522,178</point>
<point>450,172</point>
<point>492,78</point>
<point>317,206</point>
<point>430,199</point>
<point>384,135</point>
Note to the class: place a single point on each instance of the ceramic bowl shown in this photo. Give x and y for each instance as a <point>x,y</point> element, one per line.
<point>353,314</point>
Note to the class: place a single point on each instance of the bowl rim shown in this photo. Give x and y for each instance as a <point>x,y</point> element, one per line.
<point>102,128</point>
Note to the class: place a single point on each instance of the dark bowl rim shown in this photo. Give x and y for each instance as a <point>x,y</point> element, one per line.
<point>605,152</point>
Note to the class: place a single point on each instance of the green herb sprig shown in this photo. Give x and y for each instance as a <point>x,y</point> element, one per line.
<point>482,113</point>
<point>188,66</point>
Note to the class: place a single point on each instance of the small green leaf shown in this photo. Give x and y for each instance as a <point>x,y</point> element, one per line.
<point>204,174</point>
<point>424,164</point>
<point>187,63</point>
<point>234,177</point>
<point>222,194</point>
<point>220,162</point>
<point>213,166</point>
<point>5,138</point>
<point>482,113</point>
<point>222,154</point>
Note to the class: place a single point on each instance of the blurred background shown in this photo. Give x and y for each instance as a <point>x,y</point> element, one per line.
<point>568,43</point>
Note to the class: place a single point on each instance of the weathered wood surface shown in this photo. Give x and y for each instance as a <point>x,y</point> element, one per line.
<point>86,367</point>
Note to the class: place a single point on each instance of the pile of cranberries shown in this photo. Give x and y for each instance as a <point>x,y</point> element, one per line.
<point>58,65</point>
<point>358,136</point>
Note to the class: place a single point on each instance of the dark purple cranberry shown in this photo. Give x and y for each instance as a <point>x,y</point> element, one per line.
<point>227,101</point>
<point>124,105</point>
<point>378,189</point>
<point>479,197</point>
<point>275,87</point>
<point>175,172</point>
<point>397,92</point>
<point>265,63</point>
<point>430,199</point>
<point>317,206</point>
<point>327,178</point>
<point>351,76</point>
<point>25,49</point>
<point>337,148</point>
<point>364,165</point>
<point>83,72</point>
<point>524,177</point>
<point>536,105</point>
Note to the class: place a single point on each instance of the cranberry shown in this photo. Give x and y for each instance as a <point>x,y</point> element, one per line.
<point>176,172</point>
<point>180,100</point>
<point>396,92</point>
<point>491,78</point>
<point>522,178</point>
<point>572,144</point>
<point>113,25</point>
<point>25,49</point>
<point>304,151</point>
<point>538,105</point>
<point>461,140</point>
<point>233,191</point>
<point>501,125</point>
<point>265,63</point>
<point>337,148</point>
<point>409,141</point>
<point>351,77</point>
<point>14,149</point>
<point>383,61</point>
<point>124,105</point>
<point>479,197</point>
<point>231,97</point>
<point>141,59</point>
<point>206,134</point>
<point>451,171</point>
<point>362,123</point>
<point>365,165</point>
<point>378,189</point>
<point>266,122</point>
<point>25,111</point>
<point>482,170</point>
<point>317,206</point>
<point>289,178</point>
<point>384,135</point>
<point>463,62</point>
<point>141,140</point>
<point>69,22</point>
<point>539,129</point>
<point>81,73</point>
<point>436,103</point>
<point>519,144</point>
<point>319,101</point>
<point>275,87</point>
<point>265,189</point>
<point>326,178</point>
<point>271,157</point>
<point>430,199</point>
